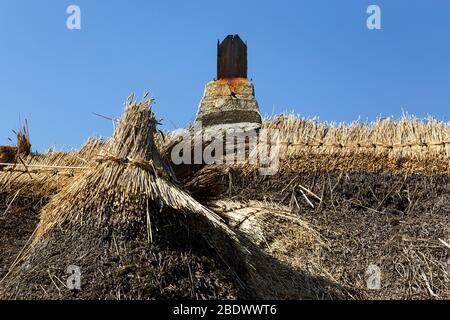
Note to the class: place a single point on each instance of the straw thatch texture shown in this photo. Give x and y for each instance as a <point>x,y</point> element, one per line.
<point>10,154</point>
<point>115,209</point>
<point>342,179</point>
<point>404,146</point>
<point>43,174</point>
<point>126,177</point>
<point>399,223</point>
<point>408,145</point>
<point>286,250</point>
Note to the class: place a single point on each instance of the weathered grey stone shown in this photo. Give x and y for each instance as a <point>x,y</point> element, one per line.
<point>229,101</point>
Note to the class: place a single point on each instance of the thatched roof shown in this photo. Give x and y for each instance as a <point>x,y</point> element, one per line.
<point>257,228</point>
<point>408,145</point>
<point>127,176</point>
<point>126,189</point>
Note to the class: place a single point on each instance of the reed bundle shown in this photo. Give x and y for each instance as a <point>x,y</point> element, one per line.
<point>127,190</point>
<point>125,180</point>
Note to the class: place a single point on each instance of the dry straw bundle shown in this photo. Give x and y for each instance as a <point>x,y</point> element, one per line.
<point>125,180</point>
<point>10,154</point>
<point>125,191</point>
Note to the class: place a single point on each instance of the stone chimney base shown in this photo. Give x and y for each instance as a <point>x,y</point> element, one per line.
<point>229,103</point>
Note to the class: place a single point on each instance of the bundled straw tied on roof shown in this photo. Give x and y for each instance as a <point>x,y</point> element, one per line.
<point>127,176</point>
<point>113,214</point>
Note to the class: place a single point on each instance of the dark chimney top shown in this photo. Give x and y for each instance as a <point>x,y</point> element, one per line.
<point>231,58</point>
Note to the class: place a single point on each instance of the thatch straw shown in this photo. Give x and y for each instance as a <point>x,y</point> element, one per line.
<point>10,154</point>
<point>23,140</point>
<point>127,176</point>
<point>129,186</point>
<point>43,174</point>
<point>286,250</point>
<point>126,191</point>
<point>408,145</point>
<point>393,221</point>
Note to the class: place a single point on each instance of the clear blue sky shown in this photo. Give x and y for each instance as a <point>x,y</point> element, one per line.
<point>316,58</point>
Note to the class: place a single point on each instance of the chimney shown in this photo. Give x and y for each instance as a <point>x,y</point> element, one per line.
<point>230,100</point>
<point>231,58</point>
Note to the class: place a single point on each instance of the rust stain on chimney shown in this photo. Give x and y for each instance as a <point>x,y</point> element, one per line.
<point>234,84</point>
